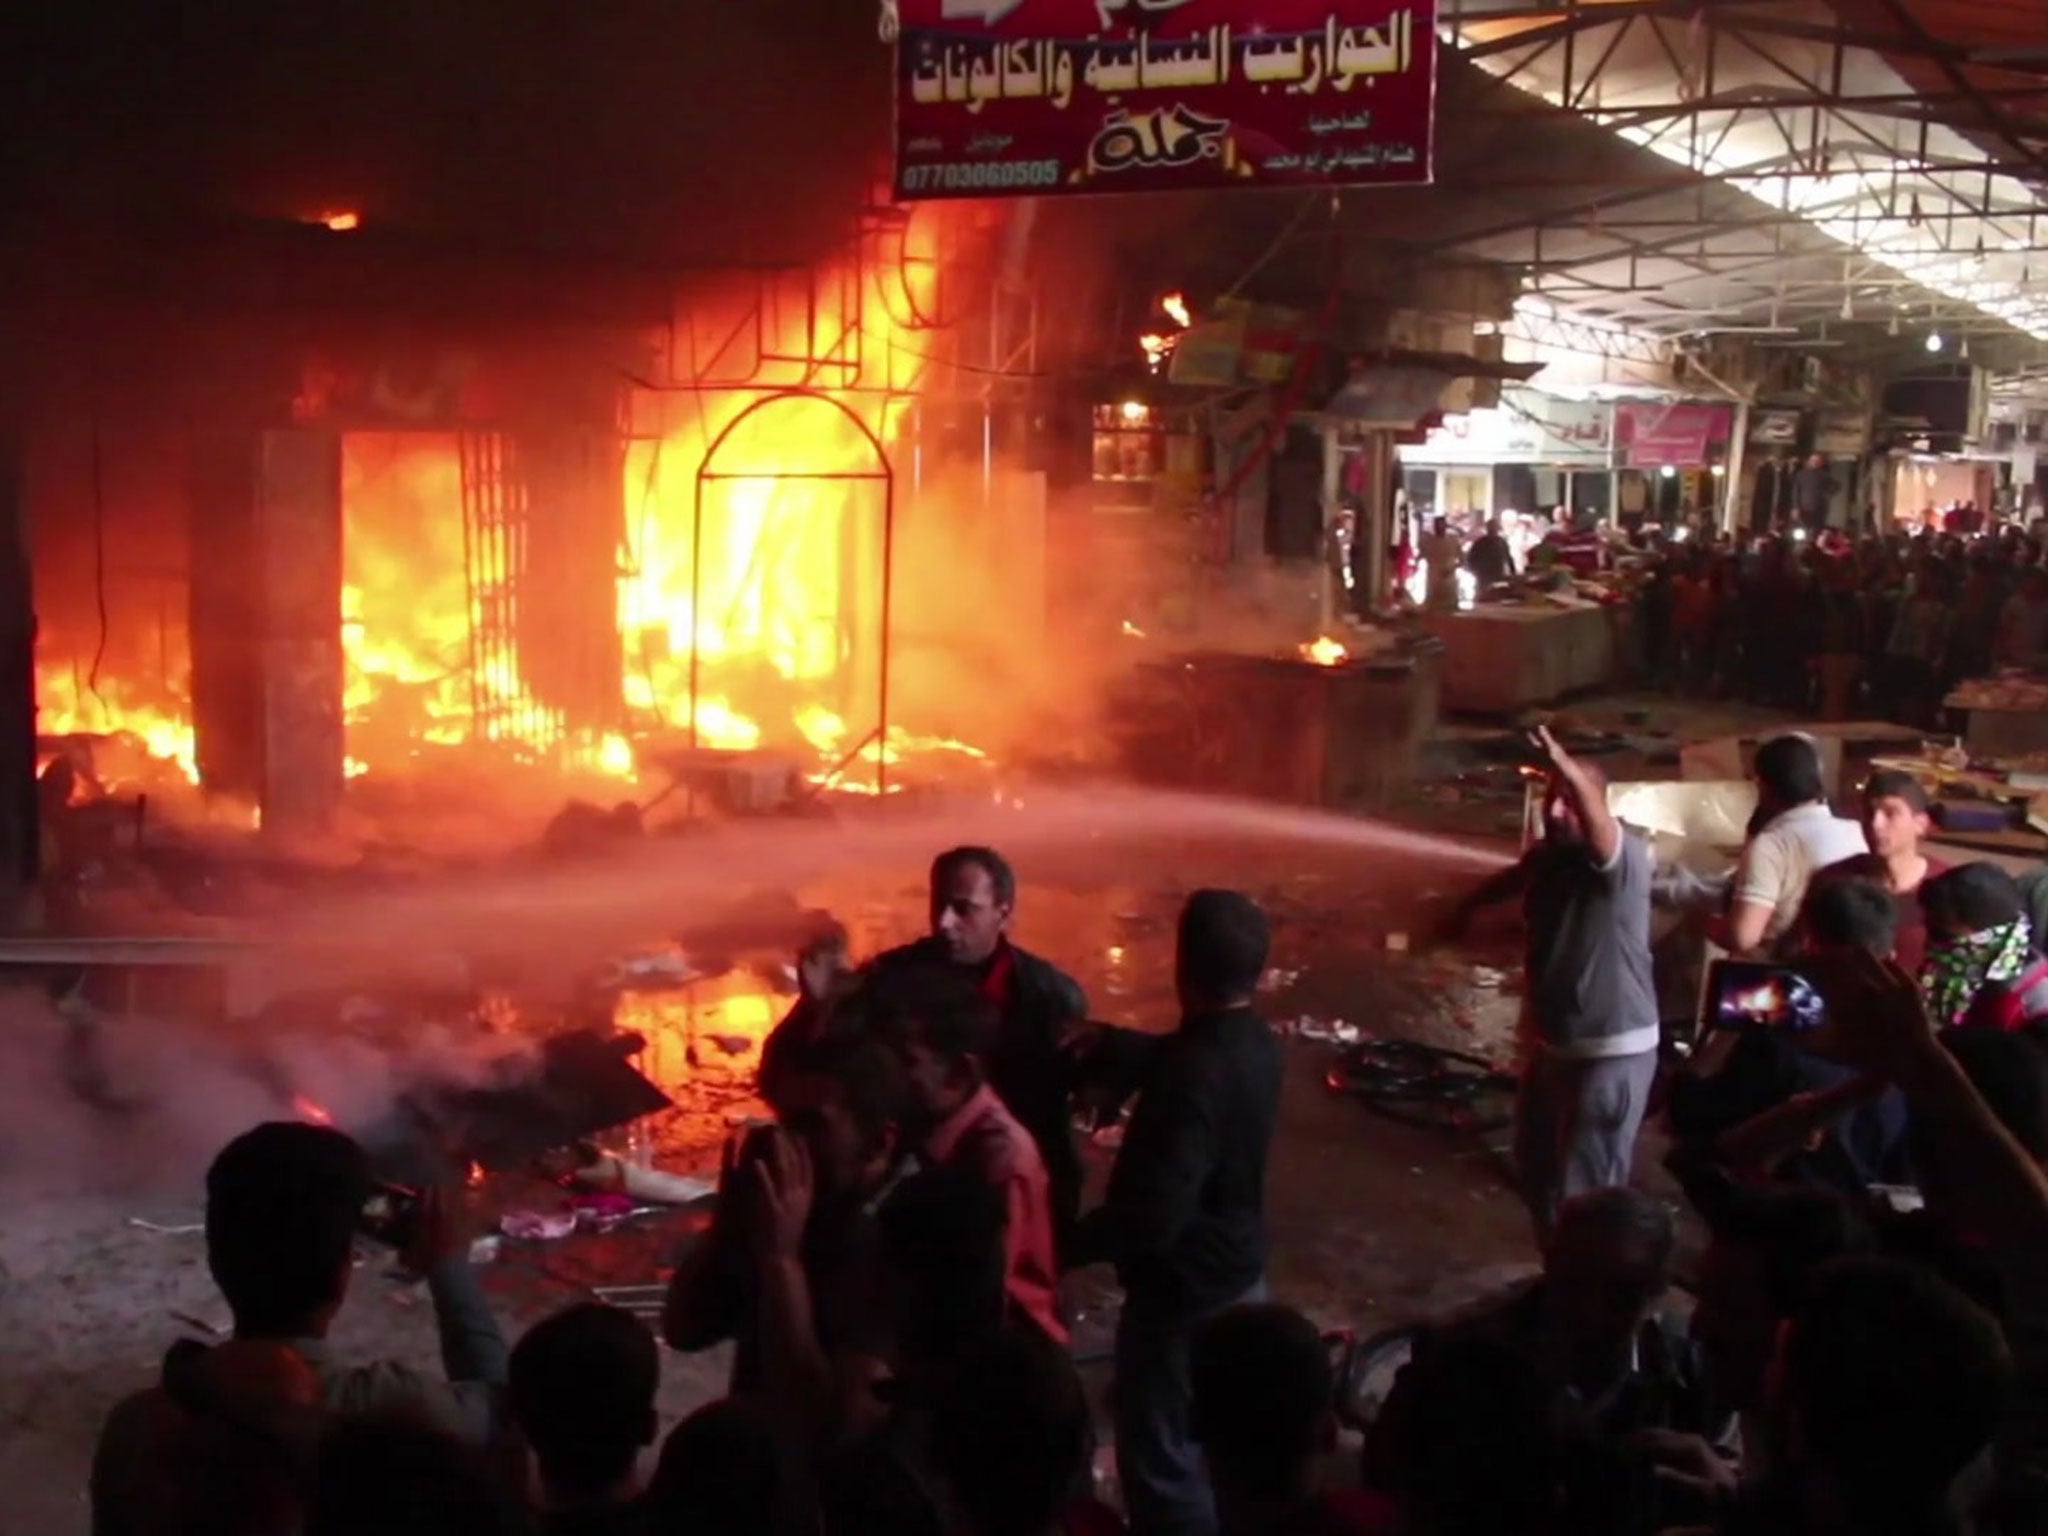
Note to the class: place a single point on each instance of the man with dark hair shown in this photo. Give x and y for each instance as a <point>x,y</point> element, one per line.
<point>1895,824</point>
<point>945,1030</point>
<point>389,1475</point>
<point>1264,1413</point>
<point>1888,1384</point>
<point>282,1206</point>
<point>942,1263</point>
<point>1012,1437</point>
<point>582,1393</point>
<point>1038,1007</point>
<point>721,1472</point>
<point>840,1137</point>
<point>1591,1008</point>
<point>1765,1245</point>
<point>1602,1369</point>
<point>1799,835</point>
<point>1851,914</point>
<point>1184,1221</point>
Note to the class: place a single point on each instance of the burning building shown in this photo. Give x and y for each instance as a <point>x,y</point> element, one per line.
<point>454,405</point>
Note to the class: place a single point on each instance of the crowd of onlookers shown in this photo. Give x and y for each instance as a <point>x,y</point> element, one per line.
<point>1818,622</point>
<point>1859,1121</point>
<point>1888,625</point>
<point>884,1258</point>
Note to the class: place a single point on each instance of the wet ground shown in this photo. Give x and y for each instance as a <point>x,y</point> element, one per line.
<point>1373,1222</point>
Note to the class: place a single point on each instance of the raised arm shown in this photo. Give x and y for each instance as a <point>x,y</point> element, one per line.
<point>1585,791</point>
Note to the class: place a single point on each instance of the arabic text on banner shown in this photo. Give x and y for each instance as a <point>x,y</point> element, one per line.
<point>999,98</point>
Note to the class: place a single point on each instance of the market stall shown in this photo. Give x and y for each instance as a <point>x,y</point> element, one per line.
<point>1322,726</point>
<point>1500,658</point>
<point>2006,715</point>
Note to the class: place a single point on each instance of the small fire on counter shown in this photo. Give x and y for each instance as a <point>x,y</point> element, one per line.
<point>1324,651</point>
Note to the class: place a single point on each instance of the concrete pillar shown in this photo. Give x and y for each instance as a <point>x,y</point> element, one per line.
<point>20,831</point>
<point>299,559</point>
<point>1731,482</point>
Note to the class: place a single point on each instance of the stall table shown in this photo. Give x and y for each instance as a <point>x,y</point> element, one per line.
<point>1499,660</point>
<point>1281,729</point>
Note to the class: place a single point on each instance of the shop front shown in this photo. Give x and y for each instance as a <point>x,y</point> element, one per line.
<point>1520,462</point>
<point>1671,458</point>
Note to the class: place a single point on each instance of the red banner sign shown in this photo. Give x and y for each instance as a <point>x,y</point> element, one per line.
<point>1669,434</point>
<point>1020,98</point>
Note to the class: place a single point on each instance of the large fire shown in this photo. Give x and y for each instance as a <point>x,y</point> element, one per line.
<point>774,487</point>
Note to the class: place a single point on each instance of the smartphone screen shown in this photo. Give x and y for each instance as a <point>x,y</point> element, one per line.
<point>1745,994</point>
<point>389,1215</point>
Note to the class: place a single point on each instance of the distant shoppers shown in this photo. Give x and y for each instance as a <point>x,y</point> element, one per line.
<point>1895,823</point>
<point>1591,1009</point>
<point>1443,554</point>
<point>1812,487</point>
<point>1490,560</point>
<point>2023,623</point>
<point>1184,1220</point>
<point>1799,835</point>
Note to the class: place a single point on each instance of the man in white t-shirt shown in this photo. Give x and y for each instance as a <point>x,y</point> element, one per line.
<point>1800,836</point>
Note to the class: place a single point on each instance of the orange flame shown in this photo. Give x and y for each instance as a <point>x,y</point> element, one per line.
<point>1324,651</point>
<point>782,609</point>
<point>1176,307</point>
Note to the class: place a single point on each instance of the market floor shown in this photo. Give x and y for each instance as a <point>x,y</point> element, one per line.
<point>1373,1222</point>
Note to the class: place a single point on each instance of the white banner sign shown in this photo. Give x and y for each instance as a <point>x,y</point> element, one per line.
<point>1527,427</point>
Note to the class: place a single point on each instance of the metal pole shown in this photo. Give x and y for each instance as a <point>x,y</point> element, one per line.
<point>888,597</point>
<point>696,568</point>
<point>1333,481</point>
<point>1731,484</point>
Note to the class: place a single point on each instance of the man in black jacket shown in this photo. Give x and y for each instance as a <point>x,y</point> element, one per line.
<point>1033,1069</point>
<point>1184,1221</point>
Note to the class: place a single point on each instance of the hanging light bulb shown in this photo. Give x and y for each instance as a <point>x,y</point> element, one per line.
<point>1892,326</point>
<point>1848,305</point>
<point>1963,349</point>
<point>1913,211</point>
<point>1934,341</point>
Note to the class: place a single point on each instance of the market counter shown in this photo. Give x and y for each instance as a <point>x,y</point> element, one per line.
<point>1279,729</point>
<point>1499,660</point>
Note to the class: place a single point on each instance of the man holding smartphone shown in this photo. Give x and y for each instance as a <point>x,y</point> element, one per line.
<point>1590,1014</point>
<point>285,1205</point>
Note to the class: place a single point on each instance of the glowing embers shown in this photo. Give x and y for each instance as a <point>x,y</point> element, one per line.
<point>707,1034</point>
